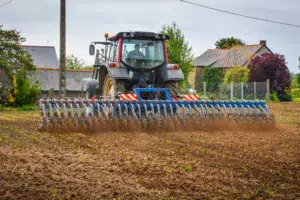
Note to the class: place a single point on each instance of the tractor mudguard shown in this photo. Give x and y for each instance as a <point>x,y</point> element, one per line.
<point>169,74</point>
<point>117,72</point>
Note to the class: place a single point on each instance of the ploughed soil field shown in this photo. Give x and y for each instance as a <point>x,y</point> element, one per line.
<point>229,163</point>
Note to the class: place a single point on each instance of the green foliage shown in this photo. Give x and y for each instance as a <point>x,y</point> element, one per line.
<point>24,93</point>
<point>27,108</point>
<point>73,62</point>
<point>296,81</point>
<point>237,74</point>
<point>274,97</point>
<point>296,100</point>
<point>227,43</point>
<point>295,92</point>
<point>179,50</point>
<point>285,97</point>
<point>187,168</point>
<point>12,57</point>
<point>213,77</point>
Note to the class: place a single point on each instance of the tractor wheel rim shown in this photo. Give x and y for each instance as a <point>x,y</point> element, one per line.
<point>109,89</point>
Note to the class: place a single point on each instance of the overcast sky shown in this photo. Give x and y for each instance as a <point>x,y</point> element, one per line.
<point>88,20</point>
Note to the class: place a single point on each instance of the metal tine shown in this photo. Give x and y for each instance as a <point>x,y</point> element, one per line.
<point>177,110</point>
<point>104,108</point>
<point>196,109</point>
<point>202,109</point>
<point>50,109</point>
<point>98,109</point>
<point>158,109</point>
<point>57,108</point>
<point>139,110</point>
<point>248,107</point>
<point>183,109</point>
<point>188,104</point>
<point>76,107</point>
<point>146,110</point>
<point>65,109</point>
<point>224,108</point>
<point>165,110</point>
<point>171,109</point>
<point>112,109</point>
<point>216,105</point>
<point>236,108</point>
<point>43,108</point>
<point>120,110</point>
<point>92,109</point>
<point>134,116</point>
<point>71,107</point>
<point>238,105</point>
<point>152,109</point>
<point>126,109</point>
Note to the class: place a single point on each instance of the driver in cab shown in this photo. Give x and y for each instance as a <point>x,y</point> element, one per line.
<point>136,53</point>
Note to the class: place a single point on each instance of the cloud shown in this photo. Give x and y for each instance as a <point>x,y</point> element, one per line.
<point>88,20</point>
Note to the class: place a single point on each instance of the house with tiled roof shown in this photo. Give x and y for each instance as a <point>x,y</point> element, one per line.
<point>228,58</point>
<point>47,73</point>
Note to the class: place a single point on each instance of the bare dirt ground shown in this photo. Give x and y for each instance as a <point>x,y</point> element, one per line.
<point>220,164</point>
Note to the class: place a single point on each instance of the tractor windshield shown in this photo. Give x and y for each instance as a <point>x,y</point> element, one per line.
<point>144,54</point>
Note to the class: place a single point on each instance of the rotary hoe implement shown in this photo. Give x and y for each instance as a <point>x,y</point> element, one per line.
<point>135,87</point>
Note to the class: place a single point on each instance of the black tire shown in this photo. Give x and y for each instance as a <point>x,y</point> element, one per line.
<point>172,86</point>
<point>118,85</point>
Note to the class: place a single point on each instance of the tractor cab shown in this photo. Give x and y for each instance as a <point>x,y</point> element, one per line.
<point>139,51</point>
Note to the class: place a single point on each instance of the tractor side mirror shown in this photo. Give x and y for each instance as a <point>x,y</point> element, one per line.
<point>92,50</point>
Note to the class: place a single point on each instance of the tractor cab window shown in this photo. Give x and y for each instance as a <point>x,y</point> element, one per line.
<point>113,52</point>
<point>145,54</point>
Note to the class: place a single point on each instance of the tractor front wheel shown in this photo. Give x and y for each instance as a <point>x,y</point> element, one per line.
<point>112,87</point>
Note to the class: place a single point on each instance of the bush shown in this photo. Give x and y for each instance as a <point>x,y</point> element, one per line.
<point>237,74</point>
<point>285,97</point>
<point>296,100</point>
<point>295,92</point>
<point>274,97</point>
<point>23,92</point>
<point>273,67</point>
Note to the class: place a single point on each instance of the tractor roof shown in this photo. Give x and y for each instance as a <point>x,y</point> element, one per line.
<point>139,35</point>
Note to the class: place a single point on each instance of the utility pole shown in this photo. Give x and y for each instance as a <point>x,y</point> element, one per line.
<point>62,66</point>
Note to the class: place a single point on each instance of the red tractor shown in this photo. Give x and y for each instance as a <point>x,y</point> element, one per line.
<point>132,60</point>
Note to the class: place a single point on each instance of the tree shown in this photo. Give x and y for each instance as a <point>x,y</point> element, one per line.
<point>273,67</point>
<point>12,58</point>
<point>237,74</point>
<point>227,43</point>
<point>213,77</point>
<point>74,62</point>
<point>179,50</point>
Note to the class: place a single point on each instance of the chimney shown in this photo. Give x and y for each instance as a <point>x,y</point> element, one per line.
<point>263,42</point>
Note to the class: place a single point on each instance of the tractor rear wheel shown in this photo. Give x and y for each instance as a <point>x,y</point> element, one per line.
<point>172,86</point>
<point>112,87</point>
